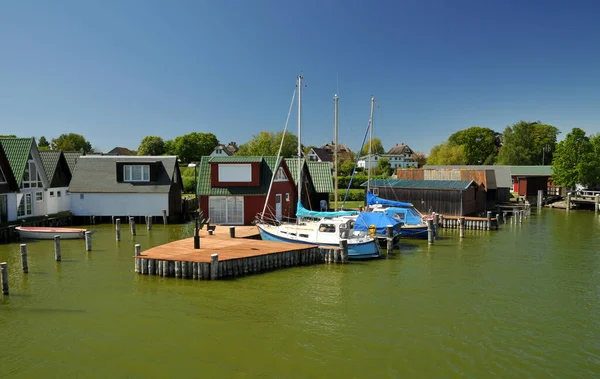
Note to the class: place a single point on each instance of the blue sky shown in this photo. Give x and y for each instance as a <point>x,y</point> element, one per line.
<point>116,71</point>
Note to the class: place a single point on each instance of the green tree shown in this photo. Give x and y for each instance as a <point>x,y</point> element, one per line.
<point>523,144</point>
<point>193,146</point>
<point>43,143</point>
<point>576,160</point>
<point>169,148</point>
<point>383,167</point>
<point>152,145</point>
<point>377,147</point>
<point>447,154</point>
<point>71,142</point>
<point>345,168</point>
<point>420,158</point>
<point>479,143</point>
<point>267,143</point>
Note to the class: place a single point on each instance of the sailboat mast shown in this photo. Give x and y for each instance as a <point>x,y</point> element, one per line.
<point>335,150</point>
<point>298,182</point>
<point>370,143</point>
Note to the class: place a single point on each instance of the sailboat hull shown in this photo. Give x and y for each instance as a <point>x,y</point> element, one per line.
<point>363,250</point>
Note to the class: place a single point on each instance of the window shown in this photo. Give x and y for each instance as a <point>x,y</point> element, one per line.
<point>39,196</point>
<point>375,191</point>
<point>31,177</point>
<point>2,177</point>
<point>287,197</point>
<point>51,193</point>
<point>136,173</point>
<point>280,176</point>
<point>226,209</point>
<point>327,228</point>
<point>57,193</point>
<point>25,206</point>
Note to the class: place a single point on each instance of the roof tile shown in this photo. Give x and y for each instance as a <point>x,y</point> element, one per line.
<point>17,152</point>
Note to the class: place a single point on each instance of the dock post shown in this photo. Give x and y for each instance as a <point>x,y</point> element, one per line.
<point>164,214</point>
<point>497,221</point>
<point>504,215</point>
<point>149,222</point>
<point>442,221</point>
<point>138,252</point>
<point>389,231</point>
<point>118,229</point>
<point>489,220</point>
<point>596,202</point>
<point>4,275</point>
<point>214,266</point>
<point>436,220</point>
<point>57,248</point>
<point>24,258</point>
<point>88,241</point>
<point>430,231</point>
<point>569,201</point>
<point>461,227</point>
<point>540,198</point>
<point>232,231</point>
<point>344,250</point>
<point>132,225</point>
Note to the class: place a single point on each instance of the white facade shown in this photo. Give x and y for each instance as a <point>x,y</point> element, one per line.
<point>394,160</point>
<point>58,200</point>
<point>114,204</point>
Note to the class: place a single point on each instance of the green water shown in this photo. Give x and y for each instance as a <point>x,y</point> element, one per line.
<point>519,302</point>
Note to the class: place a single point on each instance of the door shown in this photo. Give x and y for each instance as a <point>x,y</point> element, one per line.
<point>278,206</point>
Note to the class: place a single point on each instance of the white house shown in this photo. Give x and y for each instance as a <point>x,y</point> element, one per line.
<point>126,186</point>
<point>225,151</point>
<point>320,155</point>
<point>8,190</point>
<point>27,168</point>
<point>59,175</point>
<point>398,156</point>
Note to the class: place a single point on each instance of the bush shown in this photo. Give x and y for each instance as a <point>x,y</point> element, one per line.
<point>188,184</point>
<point>353,195</point>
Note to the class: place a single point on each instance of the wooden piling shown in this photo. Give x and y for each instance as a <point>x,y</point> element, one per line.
<point>57,255</point>
<point>88,241</point>
<point>164,214</point>
<point>138,252</point>
<point>149,222</point>
<point>430,231</point>
<point>389,231</point>
<point>569,201</point>
<point>436,220</point>
<point>210,232</point>
<point>489,220</point>
<point>540,198</point>
<point>214,266</point>
<point>132,225</point>
<point>344,250</point>
<point>461,227</point>
<point>4,277</point>
<point>596,202</point>
<point>24,258</point>
<point>232,231</point>
<point>118,229</point>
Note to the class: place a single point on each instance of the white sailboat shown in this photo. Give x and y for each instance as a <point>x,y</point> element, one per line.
<point>319,228</point>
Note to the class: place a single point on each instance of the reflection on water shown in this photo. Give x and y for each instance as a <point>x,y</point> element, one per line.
<point>519,302</point>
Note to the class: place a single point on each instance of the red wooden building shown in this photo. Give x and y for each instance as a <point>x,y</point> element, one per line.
<point>527,180</point>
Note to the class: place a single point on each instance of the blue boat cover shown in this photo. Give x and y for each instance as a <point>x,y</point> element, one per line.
<point>303,212</point>
<point>409,216</point>
<point>372,200</point>
<point>379,219</point>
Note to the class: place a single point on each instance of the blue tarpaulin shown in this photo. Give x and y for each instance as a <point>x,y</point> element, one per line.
<point>379,219</point>
<point>303,212</point>
<point>372,200</point>
<point>408,216</point>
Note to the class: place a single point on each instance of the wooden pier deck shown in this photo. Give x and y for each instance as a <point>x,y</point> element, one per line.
<point>221,255</point>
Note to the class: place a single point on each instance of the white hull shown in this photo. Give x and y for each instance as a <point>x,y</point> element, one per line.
<point>49,233</point>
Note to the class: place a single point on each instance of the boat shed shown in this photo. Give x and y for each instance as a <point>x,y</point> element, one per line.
<point>448,197</point>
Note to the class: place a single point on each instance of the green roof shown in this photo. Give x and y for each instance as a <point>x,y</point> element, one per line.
<point>17,152</point>
<point>320,174</point>
<point>421,184</point>
<point>71,157</point>
<point>269,164</point>
<point>531,170</point>
<point>50,161</point>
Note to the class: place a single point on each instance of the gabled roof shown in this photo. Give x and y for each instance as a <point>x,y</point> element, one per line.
<point>422,184</point>
<point>268,166</point>
<point>400,149</point>
<point>71,157</point>
<point>531,170</point>
<point>98,174</point>
<point>341,148</point>
<point>323,154</point>
<point>120,151</point>
<point>319,172</point>
<point>223,148</point>
<point>17,152</point>
<point>50,160</point>
<point>7,171</point>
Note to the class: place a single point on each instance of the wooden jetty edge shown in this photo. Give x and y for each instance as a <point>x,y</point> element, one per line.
<point>223,254</point>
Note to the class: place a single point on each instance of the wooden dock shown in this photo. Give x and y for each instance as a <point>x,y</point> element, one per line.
<point>221,255</point>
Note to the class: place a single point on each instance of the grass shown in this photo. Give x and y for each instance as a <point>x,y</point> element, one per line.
<point>349,204</point>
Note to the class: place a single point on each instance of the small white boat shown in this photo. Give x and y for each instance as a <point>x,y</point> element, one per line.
<point>48,233</point>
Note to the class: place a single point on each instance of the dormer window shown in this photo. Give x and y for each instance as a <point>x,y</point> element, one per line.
<point>280,176</point>
<point>31,177</point>
<point>136,173</point>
